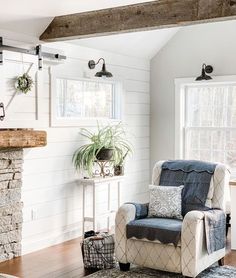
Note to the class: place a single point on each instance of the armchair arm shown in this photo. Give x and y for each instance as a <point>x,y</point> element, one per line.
<point>192,238</point>
<point>141,210</point>
<point>125,214</point>
<point>194,255</point>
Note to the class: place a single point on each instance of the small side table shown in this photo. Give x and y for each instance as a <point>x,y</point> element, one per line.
<point>94,183</point>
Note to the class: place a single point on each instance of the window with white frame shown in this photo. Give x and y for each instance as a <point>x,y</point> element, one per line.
<point>208,122</point>
<point>78,100</point>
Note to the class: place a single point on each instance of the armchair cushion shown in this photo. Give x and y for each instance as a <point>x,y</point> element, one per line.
<point>164,230</point>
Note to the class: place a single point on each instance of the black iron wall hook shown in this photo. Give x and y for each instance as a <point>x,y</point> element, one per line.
<point>2,112</point>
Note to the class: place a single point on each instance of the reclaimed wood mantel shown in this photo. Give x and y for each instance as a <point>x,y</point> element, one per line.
<point>22,138</point>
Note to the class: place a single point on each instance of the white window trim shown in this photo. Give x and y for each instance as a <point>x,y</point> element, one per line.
<point>180,85</point>
<point>82,122</point>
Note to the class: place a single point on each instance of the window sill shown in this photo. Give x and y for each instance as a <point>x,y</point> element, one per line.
<point>81,122</point>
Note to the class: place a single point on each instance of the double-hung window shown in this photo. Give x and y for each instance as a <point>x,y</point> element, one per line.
<point>206,121</point>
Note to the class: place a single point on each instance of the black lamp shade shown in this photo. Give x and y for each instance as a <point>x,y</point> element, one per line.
<point>103,72</point>
<point>204,76</point>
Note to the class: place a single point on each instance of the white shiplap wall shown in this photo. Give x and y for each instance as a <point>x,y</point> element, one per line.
<point>49,189</point>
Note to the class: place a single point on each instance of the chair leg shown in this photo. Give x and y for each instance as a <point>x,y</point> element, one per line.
<point>221,262</point>
<point>124,267</point>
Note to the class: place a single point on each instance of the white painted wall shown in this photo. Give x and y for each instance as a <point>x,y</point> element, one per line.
<point>49,187</point>
<point>183,56</point>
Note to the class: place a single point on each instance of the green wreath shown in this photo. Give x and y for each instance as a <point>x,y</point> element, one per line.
<point>24,83</point>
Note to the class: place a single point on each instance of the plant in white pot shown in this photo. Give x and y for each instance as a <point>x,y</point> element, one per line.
<point>109,143</point>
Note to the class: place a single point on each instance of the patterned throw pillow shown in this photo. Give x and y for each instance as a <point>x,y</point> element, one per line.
<point>165,201</point>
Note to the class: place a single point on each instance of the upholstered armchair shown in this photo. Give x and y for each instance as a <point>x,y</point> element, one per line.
<point>189,256</point>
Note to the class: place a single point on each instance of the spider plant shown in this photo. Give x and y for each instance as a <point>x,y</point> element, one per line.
<point>108,138</point>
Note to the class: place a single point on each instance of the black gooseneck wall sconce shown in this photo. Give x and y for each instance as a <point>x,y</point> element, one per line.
<point>205,69</point>
<point>103,72</point>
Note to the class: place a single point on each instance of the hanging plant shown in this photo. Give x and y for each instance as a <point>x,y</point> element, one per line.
<point>24,83</point>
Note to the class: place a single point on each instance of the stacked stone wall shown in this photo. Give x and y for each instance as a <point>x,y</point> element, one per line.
<point>11,162</point>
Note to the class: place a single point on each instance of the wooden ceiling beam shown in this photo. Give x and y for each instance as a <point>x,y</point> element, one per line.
<point>138,17</point>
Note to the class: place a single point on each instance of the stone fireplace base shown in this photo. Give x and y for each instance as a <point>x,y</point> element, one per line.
<point>11,161</point>
<point>12,142</point>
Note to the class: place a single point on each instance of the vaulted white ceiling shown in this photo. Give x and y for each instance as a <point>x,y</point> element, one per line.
<point>30,18</point>
<point>139,44</point>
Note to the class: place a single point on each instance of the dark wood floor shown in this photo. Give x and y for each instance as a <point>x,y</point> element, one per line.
<point>61,261</point>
